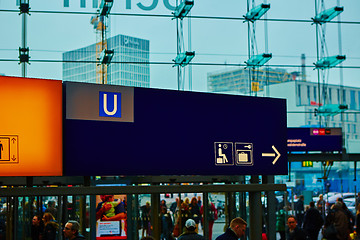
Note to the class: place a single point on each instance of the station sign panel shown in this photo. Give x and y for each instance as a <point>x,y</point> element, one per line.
<point>314,139</point>
<point>117,130</point>
<point>30,127</point>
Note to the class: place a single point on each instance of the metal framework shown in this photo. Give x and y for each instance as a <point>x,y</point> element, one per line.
<point>183,57</point>
<point>255,60</point>
<point>24,49</point>
<point>101,25</point>
<point>323,61</point>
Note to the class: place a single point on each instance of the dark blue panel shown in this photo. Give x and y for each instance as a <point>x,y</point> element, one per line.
<point>174,132</point>
<point>303,139</point>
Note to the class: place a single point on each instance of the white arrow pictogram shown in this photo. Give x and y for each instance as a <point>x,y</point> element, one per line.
<point>273,154</point>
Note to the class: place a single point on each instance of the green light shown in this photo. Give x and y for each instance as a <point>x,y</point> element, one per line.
<point>327,15</point>
<point>329,62</point>
<point>259,60</point>
<point>184,58</point>
<point>307,164</point>
<point>257,12</point>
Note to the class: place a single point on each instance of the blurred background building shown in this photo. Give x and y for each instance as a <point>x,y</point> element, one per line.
<point>237,80</point>
<point>129,51</point>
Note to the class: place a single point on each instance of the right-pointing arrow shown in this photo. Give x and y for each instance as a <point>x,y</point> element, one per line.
<point>273,154</point>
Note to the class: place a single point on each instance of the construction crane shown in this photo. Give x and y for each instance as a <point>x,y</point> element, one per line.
<point>101,27</point>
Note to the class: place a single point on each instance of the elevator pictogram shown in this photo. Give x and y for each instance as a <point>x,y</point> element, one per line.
<point>9,149</point>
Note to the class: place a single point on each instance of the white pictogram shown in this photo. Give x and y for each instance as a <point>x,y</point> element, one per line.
<point>223,153</point>
<point>244,154</point>
<point>273,154</point>
<point>222,157</point>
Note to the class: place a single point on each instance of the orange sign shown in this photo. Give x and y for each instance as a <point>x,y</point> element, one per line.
<point>30,127</point>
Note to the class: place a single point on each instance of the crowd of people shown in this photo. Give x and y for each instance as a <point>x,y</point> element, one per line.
<point>183,219</point>
<point>335,223</point>
<point>176,219</point>
<point>46,228</point>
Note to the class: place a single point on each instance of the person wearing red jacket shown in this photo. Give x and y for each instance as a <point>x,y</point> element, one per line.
<point>212,216</point>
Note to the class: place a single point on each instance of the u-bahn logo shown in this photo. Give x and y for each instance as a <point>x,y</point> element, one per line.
<point>110,104</point>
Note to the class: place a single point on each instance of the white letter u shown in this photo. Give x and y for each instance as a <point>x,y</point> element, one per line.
<point>105,105</point>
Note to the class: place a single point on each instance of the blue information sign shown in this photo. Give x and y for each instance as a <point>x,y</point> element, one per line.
<point>314,139</point>
<point>166,132</point>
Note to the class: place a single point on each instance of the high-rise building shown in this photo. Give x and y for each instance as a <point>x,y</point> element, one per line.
<point>128,66</point>
<point>238,80</point>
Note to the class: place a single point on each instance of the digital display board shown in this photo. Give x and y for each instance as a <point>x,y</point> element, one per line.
<point>314,139</point>
<point>116,130</point>
<point>30,127</point>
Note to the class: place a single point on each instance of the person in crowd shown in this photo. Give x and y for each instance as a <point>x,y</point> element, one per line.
<point>163,203</point>
<point>299,210</point>
<point>357,200</point>
<point>199,202</point>
<point>177,218</point>
<point>167,225</point>
<point>358,220</point>
<point>294,232</point>
<point>174,208</point>
<point>336,218</point>
<point>313,222</point>
<point>320,205</point>
<point>185,212</point>
<point>195,212</point>
<point>236,230</point>
<point>50,227</point>
<point>190,233</point>
<point>281,222</point>
<point>51,208</point>
<point>212,216</point>
<point>146,219</point>
<point>71,231</point>
<point>349,215</point>
<point>37,227</point>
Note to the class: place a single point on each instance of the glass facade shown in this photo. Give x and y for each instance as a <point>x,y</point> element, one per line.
<point>62,46</point>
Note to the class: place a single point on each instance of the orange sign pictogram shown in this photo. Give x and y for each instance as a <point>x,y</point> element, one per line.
<point>9,149</point>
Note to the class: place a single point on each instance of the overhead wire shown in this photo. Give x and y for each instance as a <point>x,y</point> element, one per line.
<point>167,63</point>
<point>171,16</point>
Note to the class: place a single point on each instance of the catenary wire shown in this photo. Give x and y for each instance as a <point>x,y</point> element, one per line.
<point>171,16</point>
<point>166,63</point>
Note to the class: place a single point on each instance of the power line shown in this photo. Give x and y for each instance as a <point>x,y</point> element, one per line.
<point>171,16</point>
<point>167,53</point>
<point>166,63</point>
